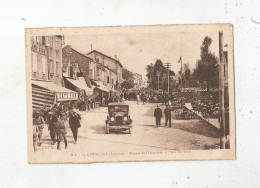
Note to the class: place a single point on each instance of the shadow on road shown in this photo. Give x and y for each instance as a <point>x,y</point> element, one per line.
<point>196,127</point>
<point>98,129</point>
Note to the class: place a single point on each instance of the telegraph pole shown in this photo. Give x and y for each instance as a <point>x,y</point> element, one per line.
<point>221,92</point>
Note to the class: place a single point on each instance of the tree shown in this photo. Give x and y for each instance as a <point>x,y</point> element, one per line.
<point>155,70</point>
<point>128,77</point>
<point>207,66</point>
<point>127,84</point>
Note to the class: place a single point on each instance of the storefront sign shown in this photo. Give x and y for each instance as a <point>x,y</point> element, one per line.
<point>67,96</point>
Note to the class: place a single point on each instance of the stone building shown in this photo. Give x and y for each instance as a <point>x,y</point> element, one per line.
<point>114,78</point>
<point>76,71</point>
<point>46,72</point>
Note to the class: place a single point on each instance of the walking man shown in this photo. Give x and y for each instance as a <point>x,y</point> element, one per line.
<point>167,113</point>
<point>74,124</point>
<point>61,131</point>
<point>158,116</point>
<point>35,136</point>
<point>39,121</point>
<point>52,127</point>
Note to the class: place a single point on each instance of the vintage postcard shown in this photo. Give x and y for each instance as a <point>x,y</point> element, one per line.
<point>130,93</point>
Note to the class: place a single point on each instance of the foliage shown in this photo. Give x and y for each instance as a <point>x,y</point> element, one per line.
<point>157,72</point>
<point>128,78</point>
<point>207,66</point>
<point>127,84</point>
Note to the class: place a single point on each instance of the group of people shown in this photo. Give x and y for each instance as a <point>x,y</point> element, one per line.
<point>56,119</point>
<point>158,116</point>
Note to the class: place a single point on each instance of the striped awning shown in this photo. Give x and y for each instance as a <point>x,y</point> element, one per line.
<point>41,97</point>
<point>45,93</point>
<point>81,84</point>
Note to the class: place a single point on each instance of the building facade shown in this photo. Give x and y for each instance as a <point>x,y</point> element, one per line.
<point>46,72</point>
<point>114,74</point>
<point>46,58</point>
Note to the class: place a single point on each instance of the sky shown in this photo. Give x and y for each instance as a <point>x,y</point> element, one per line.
<point>136,50</point>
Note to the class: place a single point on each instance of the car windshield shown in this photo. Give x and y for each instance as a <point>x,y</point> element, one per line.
<point>118,108</point>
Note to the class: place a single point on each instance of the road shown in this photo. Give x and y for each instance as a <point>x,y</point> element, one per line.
<point>184,134</point>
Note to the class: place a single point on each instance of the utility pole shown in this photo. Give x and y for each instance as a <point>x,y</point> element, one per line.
<point>168,67</point>
<point>180,61</point>
<point>221,92</point>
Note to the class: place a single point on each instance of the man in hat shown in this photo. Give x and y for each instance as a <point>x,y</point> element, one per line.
<point>168,116</point>
<point>158,116</point>
<point>61,131</point>
<point>39,121</point>
<point>51,127</point>
<point>74,124</point>
<point>35,136</point>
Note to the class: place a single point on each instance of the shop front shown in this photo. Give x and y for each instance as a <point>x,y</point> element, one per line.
<point>46,94</point>
<point>85,93</point>
<point>101,93</point>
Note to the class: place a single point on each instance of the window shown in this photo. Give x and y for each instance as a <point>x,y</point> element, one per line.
<point>43,41</point>
<point>57,45</point>
<point>34,62</point>
<point>107,79</point>
<point>91,73</point>
<point>57,68</point>
<point>43,65</point>
<point>51,41</point>
<point>51,67</point>
<point>47,41</point>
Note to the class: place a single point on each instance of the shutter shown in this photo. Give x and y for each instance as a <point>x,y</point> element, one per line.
<point>34,62</point>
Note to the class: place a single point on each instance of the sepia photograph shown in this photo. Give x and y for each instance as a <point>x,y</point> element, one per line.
<point>130,93</point>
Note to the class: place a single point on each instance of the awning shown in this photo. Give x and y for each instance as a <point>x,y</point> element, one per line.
<point>62,93</point>
<point>100,86</point>
<point>81,84</point>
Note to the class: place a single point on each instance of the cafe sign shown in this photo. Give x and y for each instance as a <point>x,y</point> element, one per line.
<point>66,96</point>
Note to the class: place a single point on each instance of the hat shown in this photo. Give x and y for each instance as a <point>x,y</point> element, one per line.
<point>36,111</point>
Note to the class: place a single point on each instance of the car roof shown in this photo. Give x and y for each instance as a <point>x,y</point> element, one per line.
<point>117,104</point>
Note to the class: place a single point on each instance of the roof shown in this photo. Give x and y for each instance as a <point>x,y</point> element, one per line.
<point>68,46</point>
<point>51,86</point>
<point>118,104</point>
<point>100,86</point>
<point>103,66</point>
<point>80,83</point>
<point>106,56</point>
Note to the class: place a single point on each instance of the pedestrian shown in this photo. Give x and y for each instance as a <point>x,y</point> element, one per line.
<point>61,131</point>
<point>51,127</point>
<point>35,136</point>
<point>39,121</point>
<point>167,113</point>
<point>137,98</point>
<point>158,116</point>
<point>74,124</point>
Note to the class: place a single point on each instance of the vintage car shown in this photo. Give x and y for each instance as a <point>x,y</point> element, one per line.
<point>118,118</point>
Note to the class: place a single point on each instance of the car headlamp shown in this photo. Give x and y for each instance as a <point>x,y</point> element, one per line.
<point>125,118</point>
<point>112,119</point>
